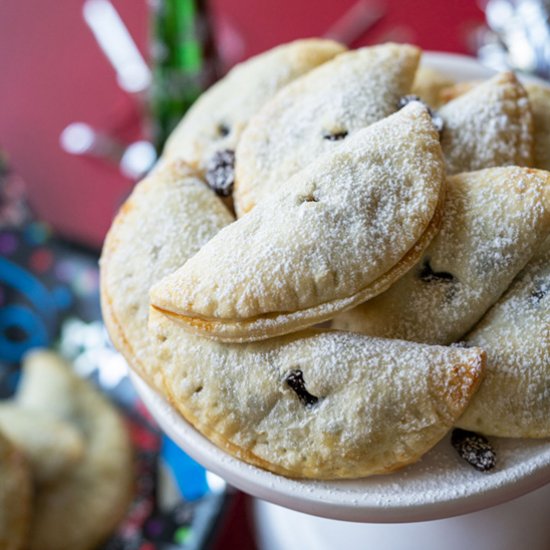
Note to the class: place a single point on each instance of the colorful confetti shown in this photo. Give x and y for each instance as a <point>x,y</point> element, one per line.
<point>8,243</point>
<point>41,260</point>
<point>36,233</point>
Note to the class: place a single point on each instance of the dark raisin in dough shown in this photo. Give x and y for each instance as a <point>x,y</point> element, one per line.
<point>335,136</point>
<point>474,449</point>
<point>220,172</point>
<point>223,130</point>
<point>539,293</point>
<point>295,380</point>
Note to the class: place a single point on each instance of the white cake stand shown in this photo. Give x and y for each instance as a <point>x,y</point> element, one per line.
<point>440,485</point>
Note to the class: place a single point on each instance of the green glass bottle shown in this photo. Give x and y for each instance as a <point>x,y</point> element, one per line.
<point>183,59</point>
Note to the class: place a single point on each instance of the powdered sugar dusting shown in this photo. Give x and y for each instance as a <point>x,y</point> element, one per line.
<point>438,485</point>
<point>344,95</point>
<point>494,220</point>
<point>440,477</point>
<point>491,125</point>
<point>330,232</point>
<point>143,245</point>
<point>381,403</point>
<point>514,400</point>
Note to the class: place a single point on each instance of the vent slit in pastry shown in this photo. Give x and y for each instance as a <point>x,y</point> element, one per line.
<point>223,129</point>
<point>428,275</point>
<point>336,135</point>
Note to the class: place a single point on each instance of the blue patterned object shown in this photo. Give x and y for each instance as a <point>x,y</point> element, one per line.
<point>189,475</point>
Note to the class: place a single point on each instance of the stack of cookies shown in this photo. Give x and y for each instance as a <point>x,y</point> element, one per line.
<point>341,256</point>
<point>66,462</point>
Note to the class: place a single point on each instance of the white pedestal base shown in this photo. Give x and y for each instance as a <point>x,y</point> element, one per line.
<point>520,523</point>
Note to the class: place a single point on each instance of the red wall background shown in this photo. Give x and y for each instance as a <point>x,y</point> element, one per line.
<point>52,73</point>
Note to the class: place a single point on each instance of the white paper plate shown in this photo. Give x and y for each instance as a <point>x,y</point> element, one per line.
<point>440,485</point>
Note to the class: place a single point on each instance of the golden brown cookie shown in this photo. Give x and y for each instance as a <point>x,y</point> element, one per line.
<point>489,125</point>
<point>494,221</point>
<point>321,405</point>
<point>175,193</point>
<point>81,509</point>
<point>338,232</point>
<point>513,401</point>
<point>52,447</point>
<point>214,124</point>
<point>317,112</point>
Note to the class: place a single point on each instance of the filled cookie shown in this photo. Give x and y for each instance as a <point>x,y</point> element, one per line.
<point>513,400</point>
<point>340,231</point>
<point>82,507</point>
<point>317,404</point>
<point>316,113</point>
<point>175,193</point>
<point>489,125</point>
<point>539,101</point>
<point>494,220</point>
<point>208,134</point>
<point>51,446</point>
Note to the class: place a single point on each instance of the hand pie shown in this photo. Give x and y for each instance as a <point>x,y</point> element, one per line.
<point>215,122</point>
<point>513,401</point>
<point>490,125</point>
<point>323,405</point>
<point>313,114</point>
<point>539,100</point>
<point>338,232</point>
<point>52,447</point>
<point>15,496</point>
<point>428,85</point>
<point>493,222</point>
<point>175,193</point>
<point>79,510</point>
